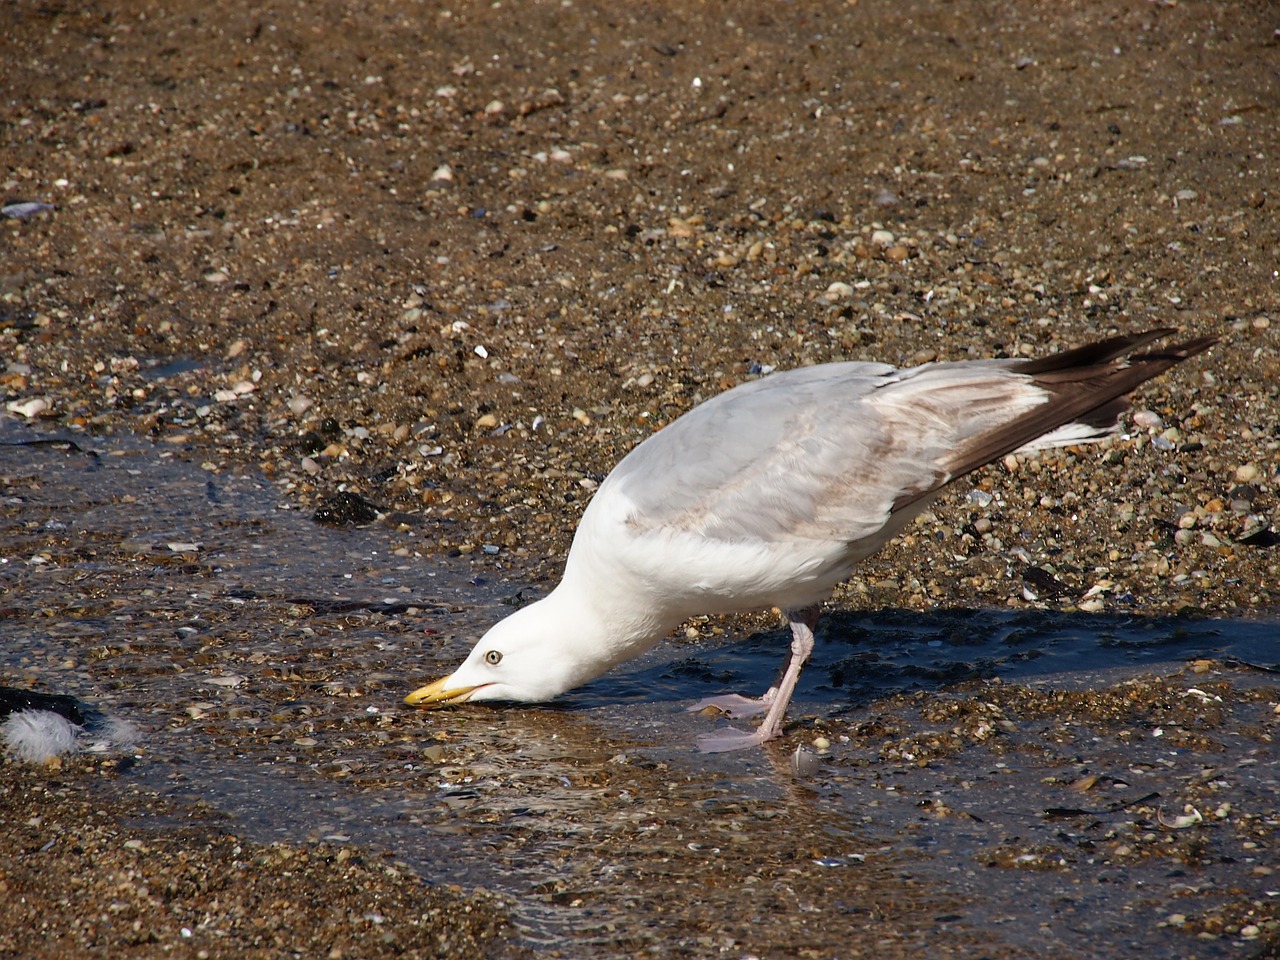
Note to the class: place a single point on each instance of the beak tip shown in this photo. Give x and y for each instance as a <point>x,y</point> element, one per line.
<point>437,694</point>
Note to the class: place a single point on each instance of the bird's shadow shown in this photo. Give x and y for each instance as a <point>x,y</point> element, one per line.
<point>863,655</point>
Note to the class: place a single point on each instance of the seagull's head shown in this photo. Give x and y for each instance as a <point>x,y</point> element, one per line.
<point>528,657</point>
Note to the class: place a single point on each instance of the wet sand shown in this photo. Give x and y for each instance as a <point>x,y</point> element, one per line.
<point>457,262</point>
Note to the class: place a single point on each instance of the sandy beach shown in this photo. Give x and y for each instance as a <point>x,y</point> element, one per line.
<point>435,268</point>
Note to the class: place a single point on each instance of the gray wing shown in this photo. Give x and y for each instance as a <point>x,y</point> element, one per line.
<point>833,452</point>
<point>823,452</point>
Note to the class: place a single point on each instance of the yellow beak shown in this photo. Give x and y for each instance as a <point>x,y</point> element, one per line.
<point>436,695</point>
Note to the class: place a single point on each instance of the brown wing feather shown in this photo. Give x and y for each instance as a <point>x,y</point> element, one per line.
<point>1092,354</point>
<point>1084,391</point>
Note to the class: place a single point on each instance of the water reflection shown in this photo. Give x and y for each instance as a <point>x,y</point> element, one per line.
<point>267,655</point>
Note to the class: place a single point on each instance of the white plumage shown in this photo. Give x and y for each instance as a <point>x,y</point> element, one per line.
<point>37,727</point>
<point>769,494</point>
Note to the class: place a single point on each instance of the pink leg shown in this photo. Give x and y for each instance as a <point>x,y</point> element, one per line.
<point>803,623</point>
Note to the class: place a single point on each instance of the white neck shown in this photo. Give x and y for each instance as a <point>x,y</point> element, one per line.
<point>592,610</point>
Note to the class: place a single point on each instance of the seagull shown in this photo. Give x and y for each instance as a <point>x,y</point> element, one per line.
<point>769,494</point>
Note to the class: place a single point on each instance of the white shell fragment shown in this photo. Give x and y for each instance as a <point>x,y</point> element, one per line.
<point>29,408</point>
<point>230,682</point>
<point>1190,818</point>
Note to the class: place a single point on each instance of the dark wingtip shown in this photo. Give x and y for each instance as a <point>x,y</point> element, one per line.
<point>1093,354</point>
<point>1179,351</point>
<point>1088,385</point>
<point>1114,348</point>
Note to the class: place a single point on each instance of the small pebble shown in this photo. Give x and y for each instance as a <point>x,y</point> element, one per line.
<point>804,763</point>
<point>25,211</point>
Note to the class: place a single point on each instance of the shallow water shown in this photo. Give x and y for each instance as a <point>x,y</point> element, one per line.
<point>997,782</point>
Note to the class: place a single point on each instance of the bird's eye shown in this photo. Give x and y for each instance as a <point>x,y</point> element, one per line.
<point>493,657</point>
